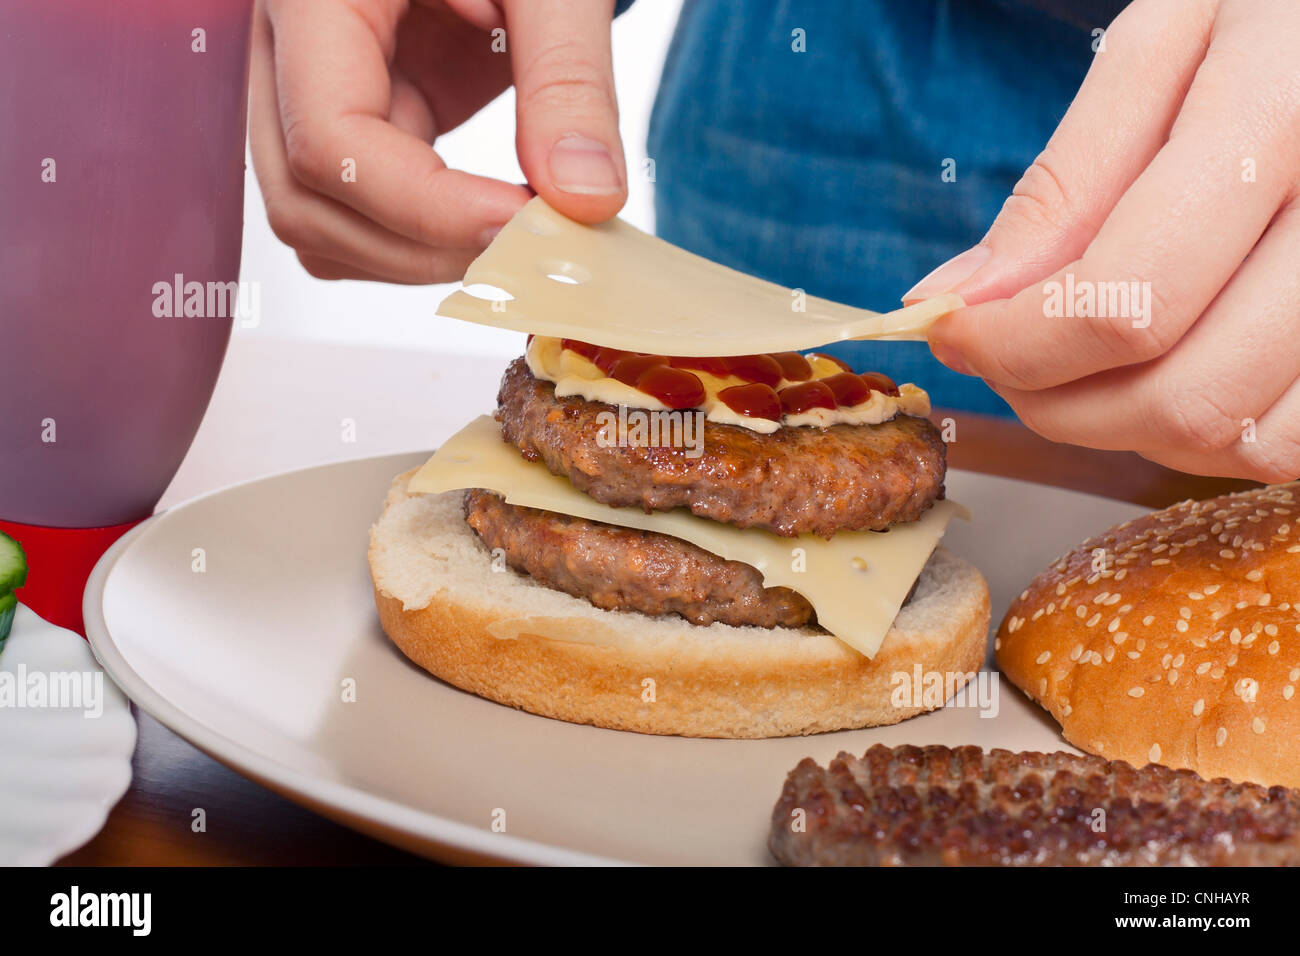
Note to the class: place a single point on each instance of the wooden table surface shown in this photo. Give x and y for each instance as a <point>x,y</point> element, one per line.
<point>281,404</point>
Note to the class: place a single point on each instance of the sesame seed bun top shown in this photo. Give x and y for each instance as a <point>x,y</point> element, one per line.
<point>1173,638</point>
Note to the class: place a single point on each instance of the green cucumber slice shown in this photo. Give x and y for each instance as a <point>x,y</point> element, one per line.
<point>13,563</point>
<point>8,604</point>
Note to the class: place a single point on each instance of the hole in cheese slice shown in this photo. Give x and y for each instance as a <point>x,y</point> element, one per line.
<point>856,581</point>
<point>633,291</point>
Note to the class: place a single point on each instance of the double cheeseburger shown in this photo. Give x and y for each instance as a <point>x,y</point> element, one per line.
<point>581,554</point>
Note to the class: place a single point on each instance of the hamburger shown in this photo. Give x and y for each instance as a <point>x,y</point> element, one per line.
<point>1173,639</point>
<point>762,566</point>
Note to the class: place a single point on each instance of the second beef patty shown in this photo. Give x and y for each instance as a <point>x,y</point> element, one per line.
<point>796,480</point>
<point>624,569</point>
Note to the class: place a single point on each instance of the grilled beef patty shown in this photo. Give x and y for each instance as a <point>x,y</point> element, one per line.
<point>936,806</point>
<point>796,480</point>
<point>624,569</point>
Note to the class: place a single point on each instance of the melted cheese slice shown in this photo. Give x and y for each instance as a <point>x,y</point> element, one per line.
<point>857,581</point>
<point>622,288</point>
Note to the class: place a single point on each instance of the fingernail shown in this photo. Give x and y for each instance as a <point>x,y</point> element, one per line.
<point>949,275</point>
<point>950,358</point>
<point>487,235</point>
<point>584,166</point>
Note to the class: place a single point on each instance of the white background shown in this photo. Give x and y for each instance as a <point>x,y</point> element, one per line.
<point>371,313</point>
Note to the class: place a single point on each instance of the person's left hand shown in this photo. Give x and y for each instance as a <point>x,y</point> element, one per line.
<point>1140,290</point>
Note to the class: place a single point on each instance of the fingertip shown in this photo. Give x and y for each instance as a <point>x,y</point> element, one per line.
<point>583,177</point>
<point>945,341</point>
<point>583,208</point>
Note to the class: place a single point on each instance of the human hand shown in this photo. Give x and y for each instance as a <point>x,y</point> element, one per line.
<point>367,85</point>
<point>1168,194</point>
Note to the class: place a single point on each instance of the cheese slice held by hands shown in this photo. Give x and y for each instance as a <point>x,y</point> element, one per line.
<point>613,285</point>
<point>856,581</point>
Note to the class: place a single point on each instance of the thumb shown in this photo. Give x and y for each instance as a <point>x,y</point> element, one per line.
<point>567,114</point>
<point>1116,124</point>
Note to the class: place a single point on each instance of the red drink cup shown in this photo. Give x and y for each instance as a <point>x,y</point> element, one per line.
<point>121,188</point>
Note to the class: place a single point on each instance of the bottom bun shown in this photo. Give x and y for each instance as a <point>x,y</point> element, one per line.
<point>477,624</point>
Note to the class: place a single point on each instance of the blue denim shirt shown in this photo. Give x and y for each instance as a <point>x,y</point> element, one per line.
<point>824,169</point>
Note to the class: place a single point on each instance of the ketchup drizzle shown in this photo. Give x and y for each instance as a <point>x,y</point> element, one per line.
<point>672,381</point>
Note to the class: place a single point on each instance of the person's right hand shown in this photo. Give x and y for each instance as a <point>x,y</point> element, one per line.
<point>347,97</point>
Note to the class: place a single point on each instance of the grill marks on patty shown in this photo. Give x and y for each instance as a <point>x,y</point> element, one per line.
<point>794,481</point>
<point>625,569</point>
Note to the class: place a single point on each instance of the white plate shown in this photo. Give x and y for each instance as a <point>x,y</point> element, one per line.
<point>61,767</point>
<point>247,659</point>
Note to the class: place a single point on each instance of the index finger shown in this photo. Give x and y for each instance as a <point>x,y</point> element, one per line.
<point>335,95</point>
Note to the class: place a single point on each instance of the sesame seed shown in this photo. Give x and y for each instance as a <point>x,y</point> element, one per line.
<point>1096,658</point>
<point>1185,613</point>
<point>1042,686</point>
<point>997,643</point>
<point>1120,637</point>
<point>1101,597</point>
<point>1077,652</point>
<point>1202,668</point>
<point>1198,708</point>
<point>1146,621</point>
<point>1211,589</point>
<point>1133,655</point>
<point>1024,595</point>
<point>1178,661</point>
<point>1108,653</point>
<point>1136,691</point>
<point>1295,674</point>
<point>1173,677</point>
<point>1160,561</point>
<point>1257,725</point>
<point>1113,626</point>
<point>1154,753</point>
<point>1220,736</point>
<point>1044,657</point>
<point>1037,614</point>
<point>1216,672</point>
<point>1119,575</point>
<point>1288,692</point>
<point>1254,575</point>
<point>1180,626</point>
<point>1270,630</point>
<point>1225,553</point>
<point>1060,589</point>
<point>1080,610</point>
